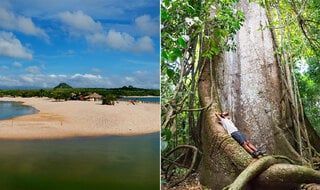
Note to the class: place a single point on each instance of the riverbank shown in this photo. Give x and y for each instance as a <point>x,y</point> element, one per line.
<point>80,118</point>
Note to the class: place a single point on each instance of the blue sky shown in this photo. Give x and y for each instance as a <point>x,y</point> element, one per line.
<point>85,43</point>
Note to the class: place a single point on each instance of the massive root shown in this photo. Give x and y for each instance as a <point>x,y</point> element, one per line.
<point>271,172</point>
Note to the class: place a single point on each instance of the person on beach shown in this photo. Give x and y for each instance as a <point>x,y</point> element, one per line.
<point>232,130</point>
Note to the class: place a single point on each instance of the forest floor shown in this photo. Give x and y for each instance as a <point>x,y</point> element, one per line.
<point>191,183</point>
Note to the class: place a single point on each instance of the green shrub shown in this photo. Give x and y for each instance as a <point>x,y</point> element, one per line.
<point>108,100</point>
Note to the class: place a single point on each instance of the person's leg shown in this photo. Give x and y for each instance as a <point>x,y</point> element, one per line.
<point>255,150</point>
<point>251,146</point>
<point>247,148</point>
<point>241,139</point>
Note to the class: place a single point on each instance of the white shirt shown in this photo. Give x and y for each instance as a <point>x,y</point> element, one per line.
<point>228,125</point>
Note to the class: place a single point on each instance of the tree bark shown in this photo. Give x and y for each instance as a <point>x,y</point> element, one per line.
<point>219,165</point>
<point>250,85</point>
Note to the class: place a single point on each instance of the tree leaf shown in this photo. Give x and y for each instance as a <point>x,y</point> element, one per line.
<point>182,43</point>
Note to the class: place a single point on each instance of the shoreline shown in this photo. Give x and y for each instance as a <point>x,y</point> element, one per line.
<point>73,137</point>
<point>22,104</point>
<point>141,96</point>
<point>68,119</point>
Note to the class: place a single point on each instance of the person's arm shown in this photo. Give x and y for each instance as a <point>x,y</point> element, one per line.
<point>218,116</point>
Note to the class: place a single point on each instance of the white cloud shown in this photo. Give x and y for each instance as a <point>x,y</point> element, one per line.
<point>144,44</point>
<point>9,21</point>
<point>97,8</point>
<point>4,67</point>
<point>88,80</point>
<point>38,80</point>
<point>86,76</point>
<point>11,47</point>
<point>33,69</point>
<point>97,39</point>
<point>147,25</point>
<point>9,81</point>
<point>3,78</point>
<point>151,79</point>
<point>129,79</point>
<point>27,78</point>
<point>96,70</point>
<point>80,23</point>
<point>140,73</point>
<point>16,64</point>
<point>119,40</point>
<point>124,41</point>
<point>57,76</point>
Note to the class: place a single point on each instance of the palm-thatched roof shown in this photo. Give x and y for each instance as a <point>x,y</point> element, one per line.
<point>94,95</point>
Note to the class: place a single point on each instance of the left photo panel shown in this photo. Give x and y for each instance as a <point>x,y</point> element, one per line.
<point>79,94</point>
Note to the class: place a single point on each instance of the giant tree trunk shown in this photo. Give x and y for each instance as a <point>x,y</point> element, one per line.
<point>250,86</point>
<point>247,84</point>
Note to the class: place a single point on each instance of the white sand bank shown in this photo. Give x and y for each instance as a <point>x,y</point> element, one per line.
<point>80,118</point>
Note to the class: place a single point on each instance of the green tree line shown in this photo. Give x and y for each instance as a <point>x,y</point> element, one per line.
<point>66,93</point>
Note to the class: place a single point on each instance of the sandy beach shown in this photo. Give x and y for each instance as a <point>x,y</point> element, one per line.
<point>80,118</point>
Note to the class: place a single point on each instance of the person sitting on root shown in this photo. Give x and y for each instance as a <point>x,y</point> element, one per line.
<point>232,130</point>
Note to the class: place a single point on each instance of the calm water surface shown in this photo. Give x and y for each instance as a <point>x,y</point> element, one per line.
<point>9,109</point>
<point>143,99</point>
<point>130,162</point>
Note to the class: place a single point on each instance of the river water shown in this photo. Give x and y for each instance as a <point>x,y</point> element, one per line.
<point>114,162</point>
<point>142,99</point>
<point>110,162</point>
<point>9,109</point>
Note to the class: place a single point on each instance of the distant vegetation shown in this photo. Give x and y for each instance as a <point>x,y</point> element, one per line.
<point>65,91</point>
<point>108,100</point>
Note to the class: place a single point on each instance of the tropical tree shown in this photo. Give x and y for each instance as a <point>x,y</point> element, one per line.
<point>255,83</point>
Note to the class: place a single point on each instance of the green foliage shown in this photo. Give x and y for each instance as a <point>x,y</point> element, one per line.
<point>61,94</point>
<point>109,100</point>
<point>309,87</point>
<point>297,28</point>
<point>65,93</point>
<point>298,20</point>
<point>181,171</point>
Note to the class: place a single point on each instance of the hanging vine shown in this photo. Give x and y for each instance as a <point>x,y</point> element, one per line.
<point>286,39</point>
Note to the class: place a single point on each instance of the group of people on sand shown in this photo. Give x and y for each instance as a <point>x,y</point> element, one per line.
<point>225,120</point>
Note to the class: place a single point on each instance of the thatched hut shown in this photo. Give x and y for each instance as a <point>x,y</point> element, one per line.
<point>94,97</point>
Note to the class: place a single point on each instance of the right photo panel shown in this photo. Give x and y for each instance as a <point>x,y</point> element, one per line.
<point>240,103</point>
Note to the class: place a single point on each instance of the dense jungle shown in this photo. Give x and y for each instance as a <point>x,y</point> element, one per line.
<point>257,60</point>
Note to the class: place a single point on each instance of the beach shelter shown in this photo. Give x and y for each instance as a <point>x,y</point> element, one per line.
<point>94,97</point>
